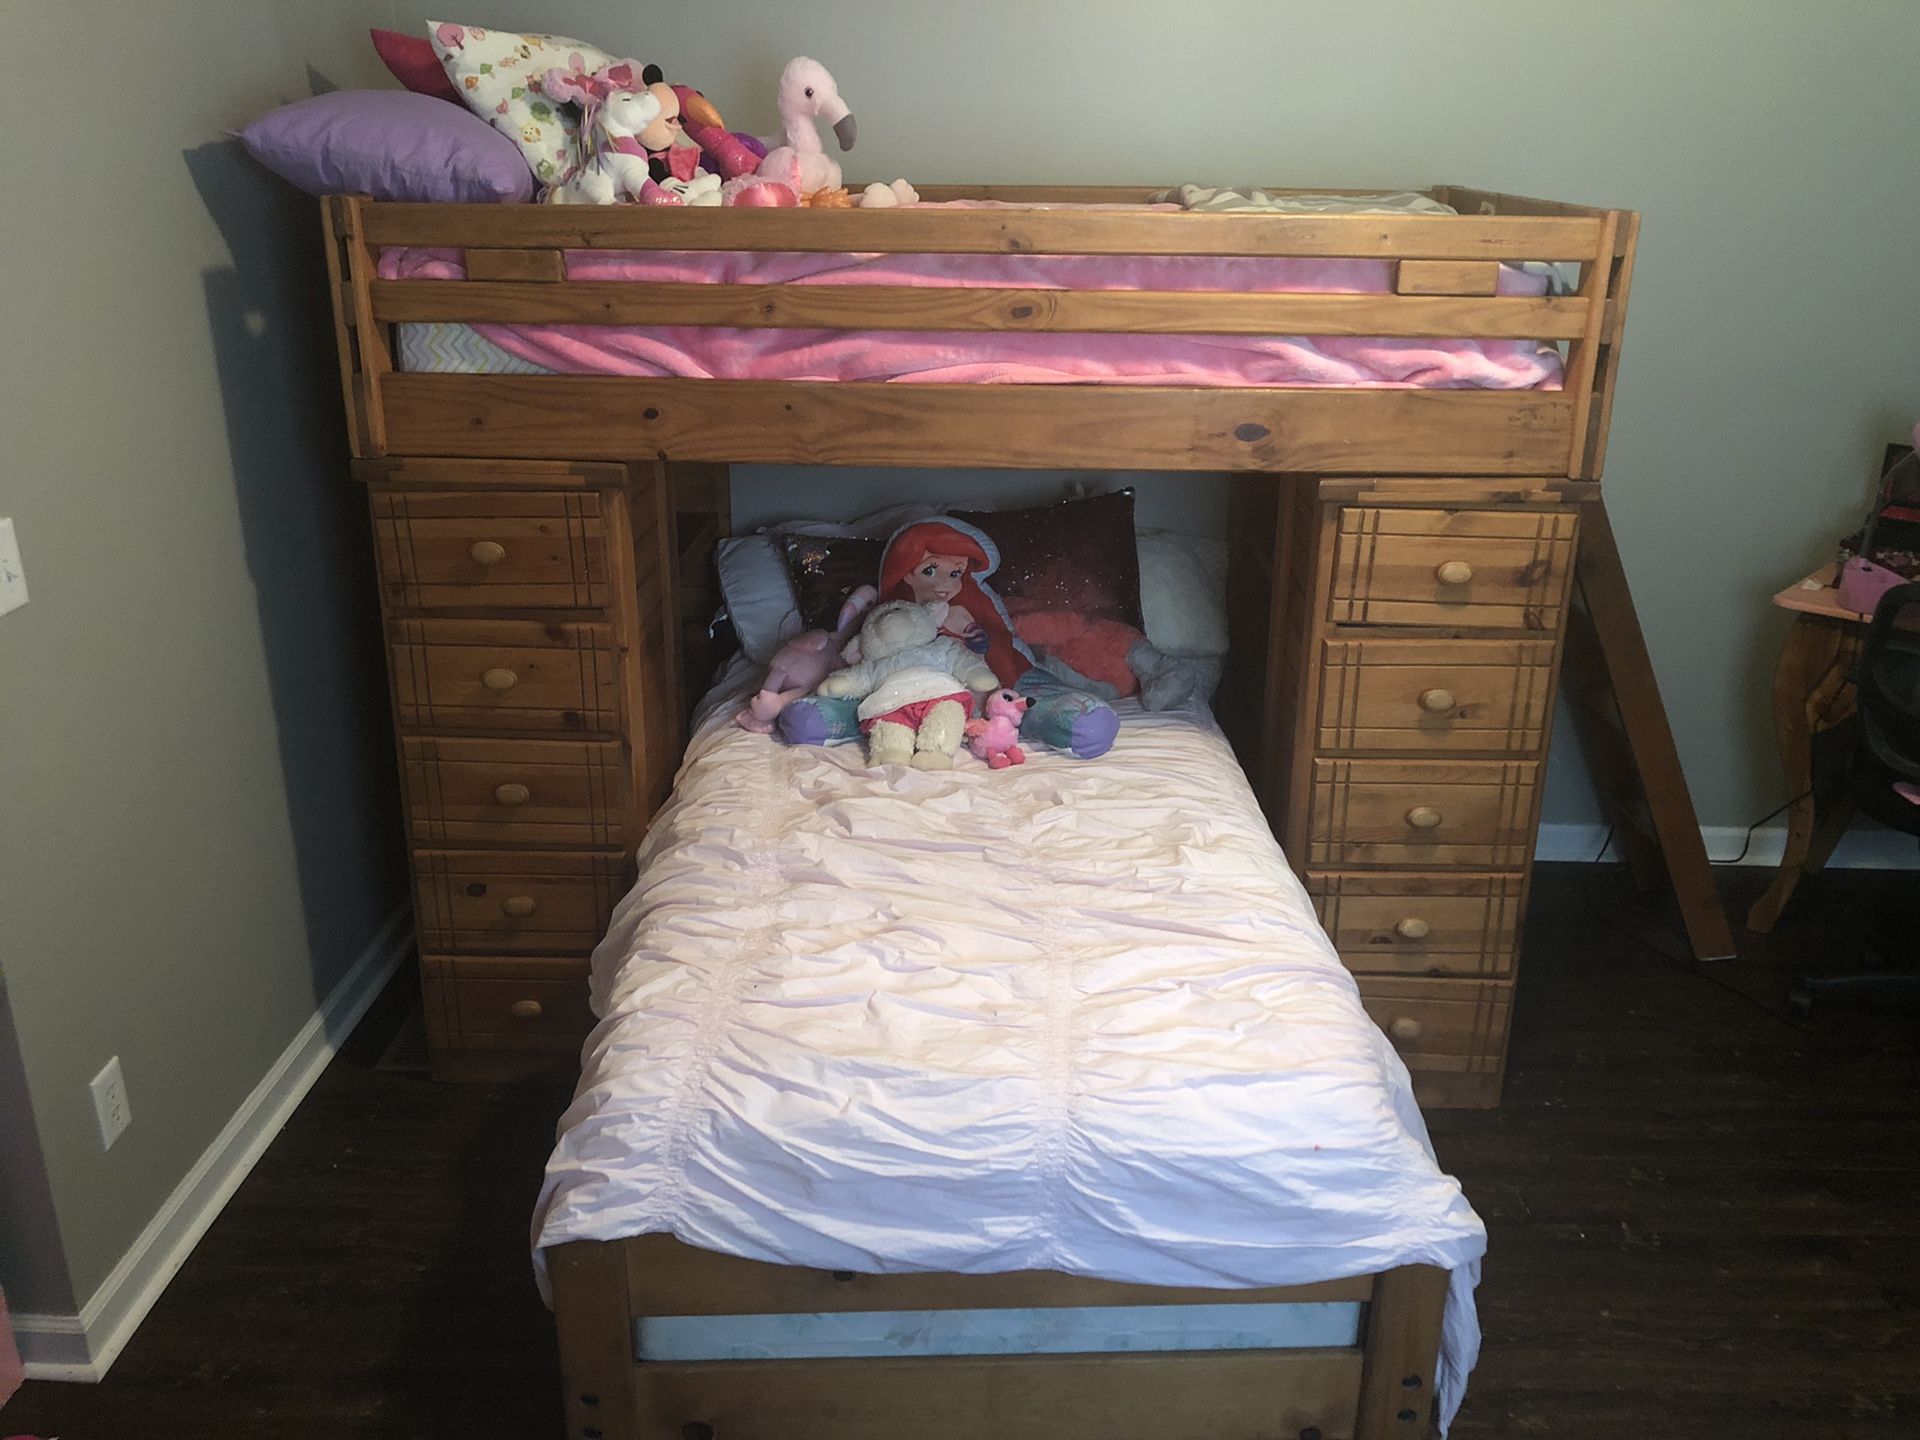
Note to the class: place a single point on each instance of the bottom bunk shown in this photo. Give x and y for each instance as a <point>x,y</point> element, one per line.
<point>903,1043</point>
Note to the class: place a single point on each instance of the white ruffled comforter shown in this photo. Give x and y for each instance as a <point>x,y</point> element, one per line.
<point>1073,1015</point>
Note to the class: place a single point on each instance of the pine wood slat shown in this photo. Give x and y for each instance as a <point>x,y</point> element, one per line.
<point>542,266</point>
<point>1268,1394</point>
<point>1447,277</point>
<point>969,308</point>
<point>956,232</point>
<point>1403,1339</point>
<point>670,1277</point>
<point>1395,923</point>
<point>409,473</point>
<point>594,1317</point>
<point>1016,426</point>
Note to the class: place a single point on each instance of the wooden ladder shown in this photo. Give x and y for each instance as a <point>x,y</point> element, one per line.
<point>1610,686</point>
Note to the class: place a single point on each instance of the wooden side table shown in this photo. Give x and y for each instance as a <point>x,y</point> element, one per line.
<point>1812,693</point>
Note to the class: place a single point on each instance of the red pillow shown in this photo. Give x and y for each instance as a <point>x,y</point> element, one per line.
<point>414,65</point>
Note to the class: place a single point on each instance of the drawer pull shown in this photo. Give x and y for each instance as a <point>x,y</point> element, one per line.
<point>1423,817</point>
<point>512,793</point>
<point>517,906</point>
<point>1404,1029</point>
<point>499,678</point>
<point>526,1010</point>
<point>1412,928</point>
<point>487,552</point>
<point>1436,702</point>
<point>1453,572</point>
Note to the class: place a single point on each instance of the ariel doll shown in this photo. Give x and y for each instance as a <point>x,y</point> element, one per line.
<point>947,559</point>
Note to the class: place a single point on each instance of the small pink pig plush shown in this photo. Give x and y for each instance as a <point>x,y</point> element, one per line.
<point>996,737</point>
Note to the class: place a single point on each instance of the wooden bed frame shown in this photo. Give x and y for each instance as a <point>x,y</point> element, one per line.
<point>1446,272</point>
<point>1491,453</point>
<point>1379,1389</point>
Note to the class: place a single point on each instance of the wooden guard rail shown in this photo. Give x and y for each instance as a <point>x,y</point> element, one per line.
<point>1446,270</point>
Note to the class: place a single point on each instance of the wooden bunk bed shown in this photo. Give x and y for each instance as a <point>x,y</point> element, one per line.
<point>1399,588</point>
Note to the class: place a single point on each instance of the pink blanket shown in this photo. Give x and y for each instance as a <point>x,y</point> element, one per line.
<point>717,352</point>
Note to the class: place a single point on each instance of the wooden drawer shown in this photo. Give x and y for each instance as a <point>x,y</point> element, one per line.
<point>534,902</point>
<point>543,549</point>
<point>517,792</point>
<point>1423,814</point>
<point>1403,924</point>
<point>1503,569</point>
<point>1458,1026</point>
<point>504,675</point>
<point>499,1003</point>
<point>1435,695</point>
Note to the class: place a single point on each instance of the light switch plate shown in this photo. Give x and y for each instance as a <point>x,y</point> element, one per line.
<point>13,579</point>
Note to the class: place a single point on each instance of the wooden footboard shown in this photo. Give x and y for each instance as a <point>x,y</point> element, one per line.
<point>1378,1388</point>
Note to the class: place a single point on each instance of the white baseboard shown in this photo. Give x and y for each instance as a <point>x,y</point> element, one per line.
<point>83,1347</point>
<point>1864,847</point>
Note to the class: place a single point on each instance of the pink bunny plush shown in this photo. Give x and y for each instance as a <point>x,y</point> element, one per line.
<point>996,738</point>
<point>802,663</point>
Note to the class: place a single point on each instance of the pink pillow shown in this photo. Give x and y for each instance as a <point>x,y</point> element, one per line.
<point>414,65</point>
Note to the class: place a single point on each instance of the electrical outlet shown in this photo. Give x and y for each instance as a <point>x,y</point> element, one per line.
<point>13,579</point>
<point>110,1103</point>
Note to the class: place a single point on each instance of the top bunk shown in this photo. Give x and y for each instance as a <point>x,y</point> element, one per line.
<point>995,326</point>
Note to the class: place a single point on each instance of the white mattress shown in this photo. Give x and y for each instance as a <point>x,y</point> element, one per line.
<point>1074,1015</point>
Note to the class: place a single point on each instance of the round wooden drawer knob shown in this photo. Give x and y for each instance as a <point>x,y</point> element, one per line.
<point>1404,1029</point>
<point>526,1010</point>
<point>518,906</point>
<point>1454,572</point>
<point>512,793</point>
<point>1423,817</point>
<point>487,552</point>
<point>1436,702</point>
<point>499,678</point>
<point>1412,928</point>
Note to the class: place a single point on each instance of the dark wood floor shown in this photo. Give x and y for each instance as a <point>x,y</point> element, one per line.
<point>1703,1217</point>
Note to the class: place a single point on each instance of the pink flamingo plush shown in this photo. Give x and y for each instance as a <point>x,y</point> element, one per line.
<point>996,738</point>
<point>807,93</point>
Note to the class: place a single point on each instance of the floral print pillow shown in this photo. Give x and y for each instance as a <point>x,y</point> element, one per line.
<point>497,73</point>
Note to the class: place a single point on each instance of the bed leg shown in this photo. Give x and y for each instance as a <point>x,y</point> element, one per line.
<point>1403,1341</point>
<point>595,1323</point>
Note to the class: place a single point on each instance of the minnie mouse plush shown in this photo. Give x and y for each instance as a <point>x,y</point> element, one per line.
<point>673,160</point>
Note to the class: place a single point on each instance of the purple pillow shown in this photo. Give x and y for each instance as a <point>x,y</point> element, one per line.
<point>390,144</point>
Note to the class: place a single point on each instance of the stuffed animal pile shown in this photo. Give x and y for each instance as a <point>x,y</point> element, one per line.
<point>915,686</point>
<point>600,130</point>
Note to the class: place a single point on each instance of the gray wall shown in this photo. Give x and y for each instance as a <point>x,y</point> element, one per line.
<point>197,826</point>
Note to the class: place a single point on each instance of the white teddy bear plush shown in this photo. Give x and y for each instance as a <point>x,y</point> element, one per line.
<point>915,686</point>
